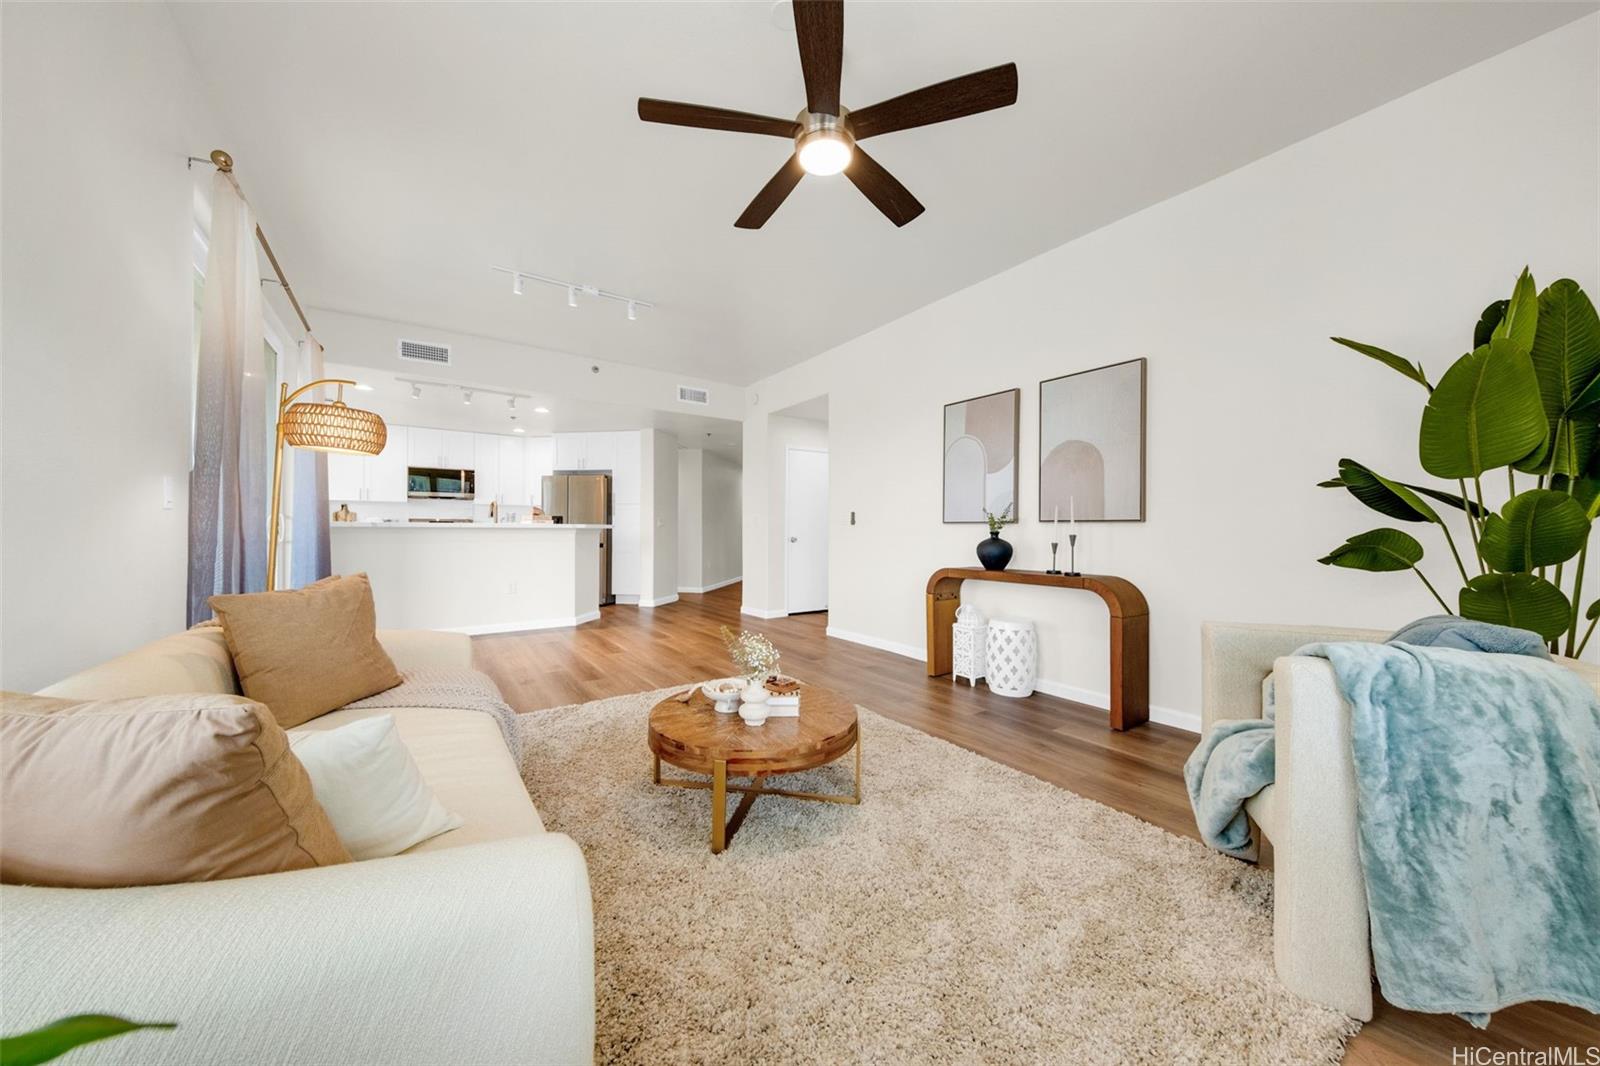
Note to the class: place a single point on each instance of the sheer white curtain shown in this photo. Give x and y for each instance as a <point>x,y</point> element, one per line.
<point>310,556</point>
<point>232,446</point>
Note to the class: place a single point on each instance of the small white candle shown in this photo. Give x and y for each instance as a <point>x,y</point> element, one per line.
<point>1058,514</point>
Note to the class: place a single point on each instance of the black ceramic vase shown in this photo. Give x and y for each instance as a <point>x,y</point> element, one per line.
<point>994,553</point>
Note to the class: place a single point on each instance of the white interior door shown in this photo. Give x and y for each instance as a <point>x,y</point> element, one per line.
<point>806,530</point>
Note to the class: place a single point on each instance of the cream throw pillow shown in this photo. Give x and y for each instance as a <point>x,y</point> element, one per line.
<point>371,788</point>
<point>153,791</point>
<point>305,652</point>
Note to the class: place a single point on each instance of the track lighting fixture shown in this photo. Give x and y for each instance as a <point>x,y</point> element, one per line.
<point>416,392</point>
<point>511,402</point>
<point>466,397</point>
<point>519,278</point>
<point>467,391</point>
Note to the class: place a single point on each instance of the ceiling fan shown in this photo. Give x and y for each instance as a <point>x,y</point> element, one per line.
<point>826,134</point>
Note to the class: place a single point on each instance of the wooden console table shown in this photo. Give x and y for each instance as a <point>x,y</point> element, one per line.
<point>1130,629</point>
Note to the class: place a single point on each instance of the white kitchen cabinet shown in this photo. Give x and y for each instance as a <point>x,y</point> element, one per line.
<point>460,450</point>
<point>625,554</point>
<point>570,451</point>
<point>425,447</point>
<point>541,462</point>
<point>599,451</point>
<point>386,471</point>
<point>379,478</point>
<point>625,467</point>
<point>485,465</point>
<point>513,471</point>
<point>347,477</point>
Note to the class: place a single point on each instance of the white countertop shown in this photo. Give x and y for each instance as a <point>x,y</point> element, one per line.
<point>525,526</point>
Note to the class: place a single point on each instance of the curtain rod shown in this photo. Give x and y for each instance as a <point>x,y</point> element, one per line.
<point>224,163</point>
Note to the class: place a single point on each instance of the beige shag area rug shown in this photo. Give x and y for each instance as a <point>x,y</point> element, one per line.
<point>964,913</point>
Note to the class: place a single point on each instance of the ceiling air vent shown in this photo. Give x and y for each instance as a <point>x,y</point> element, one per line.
<point>690,394</point>
<point>418,352</point>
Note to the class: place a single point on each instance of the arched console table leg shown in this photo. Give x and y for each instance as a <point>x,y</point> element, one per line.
<point>1130,629</point>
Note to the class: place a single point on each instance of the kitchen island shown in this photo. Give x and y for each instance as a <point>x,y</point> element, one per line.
<point>474,577</point>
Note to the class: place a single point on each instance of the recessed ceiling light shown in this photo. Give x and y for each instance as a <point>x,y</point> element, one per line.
<point>361,387</point>
<point>541,410</point>
<point>518,429</point>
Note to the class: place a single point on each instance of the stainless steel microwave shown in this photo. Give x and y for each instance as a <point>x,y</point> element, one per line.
<point>432,483</point>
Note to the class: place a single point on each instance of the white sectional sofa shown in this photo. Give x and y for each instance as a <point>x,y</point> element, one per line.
<point>474,947</point>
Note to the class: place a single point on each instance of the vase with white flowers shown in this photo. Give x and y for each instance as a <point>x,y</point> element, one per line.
<point>995,553</point>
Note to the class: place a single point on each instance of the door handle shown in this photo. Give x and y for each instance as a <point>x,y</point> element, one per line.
<point>794,540</point>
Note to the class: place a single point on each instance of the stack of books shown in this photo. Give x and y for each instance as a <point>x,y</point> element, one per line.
<point>783,697</point>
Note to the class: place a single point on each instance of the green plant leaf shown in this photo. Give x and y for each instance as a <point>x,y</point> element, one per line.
<point>1526,601</point>
<point>1566,362</point>
<point>1484,413</point>
<point>1388,498</point>
<point>61,1036</point>
<point>1389,359</point>
<point>1377,550</point>
<point>1477,509</point>
<point>1331,483</point>
<point>1593,612</point>
<point>1540,527</point>
<point>1492,315</point>
<point>1522,314</point>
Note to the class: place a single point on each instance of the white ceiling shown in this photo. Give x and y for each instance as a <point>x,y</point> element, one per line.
<point>396,151</point>
<point>441,407</point>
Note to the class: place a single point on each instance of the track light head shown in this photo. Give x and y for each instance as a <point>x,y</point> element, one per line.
<point>511,402</point>
<point>516,284</point>
<point>416,392</point>
<point>466,397</point>
<point>572,296</point>
<point>633,311</point>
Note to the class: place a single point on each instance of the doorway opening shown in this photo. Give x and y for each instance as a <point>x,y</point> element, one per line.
<point>799,436</point>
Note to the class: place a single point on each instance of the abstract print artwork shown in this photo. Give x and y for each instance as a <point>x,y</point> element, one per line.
<point>1091,444</point>
<point>980,456</point>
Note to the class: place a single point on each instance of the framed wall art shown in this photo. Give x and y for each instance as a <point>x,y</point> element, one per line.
<point>980,456</point>
<point>1091,444</point>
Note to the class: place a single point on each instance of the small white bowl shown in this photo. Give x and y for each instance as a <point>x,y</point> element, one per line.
<point>724,693</point>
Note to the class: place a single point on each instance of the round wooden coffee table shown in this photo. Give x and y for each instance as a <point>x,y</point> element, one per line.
<point>694,737</point>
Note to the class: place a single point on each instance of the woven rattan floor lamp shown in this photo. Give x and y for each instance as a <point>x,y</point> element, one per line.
<point>318,427</point>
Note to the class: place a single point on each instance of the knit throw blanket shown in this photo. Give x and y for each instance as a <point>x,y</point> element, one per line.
<point>453,689</point>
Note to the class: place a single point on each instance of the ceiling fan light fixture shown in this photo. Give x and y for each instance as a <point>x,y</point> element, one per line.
<point>824,148</point>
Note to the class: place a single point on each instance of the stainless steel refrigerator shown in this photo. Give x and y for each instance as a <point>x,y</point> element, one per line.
<point>579,499</point>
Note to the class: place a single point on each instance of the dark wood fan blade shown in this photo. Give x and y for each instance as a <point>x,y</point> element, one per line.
<point>715,118</point>
<point>771,195</point>
<point>956,98</point>
<point>882,188</point>
<point>819,27</point>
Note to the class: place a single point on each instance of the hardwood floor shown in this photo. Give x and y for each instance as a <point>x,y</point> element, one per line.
<point>1065,743</point>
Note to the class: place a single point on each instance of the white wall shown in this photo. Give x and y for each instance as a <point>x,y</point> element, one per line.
<point>709,542</point>
<point>765,479</point>
<point>1396,227</point>
<point>721,558</point>
<point>691,519</point>
<point>658,519</point>
<point>101,107</point>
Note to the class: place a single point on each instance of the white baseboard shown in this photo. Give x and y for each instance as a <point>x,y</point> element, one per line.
<point>662,602</point>
<point>712,587</point>
<point>519,627</point>
<point>1164,715</point>
<point>626,601</point>
<point>910,651</point>
<point>757,612</point>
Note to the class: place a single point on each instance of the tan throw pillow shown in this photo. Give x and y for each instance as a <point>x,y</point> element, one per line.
<point>151,791</point>
<point>305,652</point>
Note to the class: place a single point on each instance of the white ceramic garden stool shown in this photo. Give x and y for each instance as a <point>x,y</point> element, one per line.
<point>1012,650</point>
<point>968,656</point>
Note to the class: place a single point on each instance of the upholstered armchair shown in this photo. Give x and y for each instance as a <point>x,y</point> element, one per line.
<point>1320,944</point>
